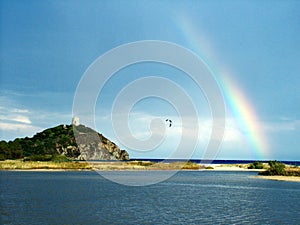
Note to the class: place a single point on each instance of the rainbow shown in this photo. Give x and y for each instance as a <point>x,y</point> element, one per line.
<point>244,113</point>
<point>235,99</point>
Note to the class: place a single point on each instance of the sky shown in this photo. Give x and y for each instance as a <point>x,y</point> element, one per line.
<point>251,49</point>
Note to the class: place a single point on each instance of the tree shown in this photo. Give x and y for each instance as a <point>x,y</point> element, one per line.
<point>4,150</point>
<point>256,165</point>
<point>275,168</point>
<point>16,149</point>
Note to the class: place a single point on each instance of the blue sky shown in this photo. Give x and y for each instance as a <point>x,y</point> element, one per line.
<point>46,46</point>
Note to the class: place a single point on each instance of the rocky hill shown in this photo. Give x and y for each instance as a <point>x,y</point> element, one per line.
<point>60,140</point>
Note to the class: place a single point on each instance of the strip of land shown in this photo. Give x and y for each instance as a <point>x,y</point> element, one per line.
<point>84,165</point>
<point>20,165</point>
<point>233,167</point>
<point>280,178</point>
<point>117,165</point>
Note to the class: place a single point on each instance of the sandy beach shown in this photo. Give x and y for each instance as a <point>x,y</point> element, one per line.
<point>280,178</point>
<point>232,167</point>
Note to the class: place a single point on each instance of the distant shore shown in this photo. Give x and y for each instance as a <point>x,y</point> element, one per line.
<point>20,165</point>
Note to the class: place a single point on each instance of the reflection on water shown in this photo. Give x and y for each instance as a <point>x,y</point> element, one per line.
<point>189,197</point>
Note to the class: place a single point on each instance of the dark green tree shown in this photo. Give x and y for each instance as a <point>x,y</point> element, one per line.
<point>275,168</point>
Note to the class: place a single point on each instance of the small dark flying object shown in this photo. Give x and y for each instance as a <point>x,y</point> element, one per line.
<point>170,122</point>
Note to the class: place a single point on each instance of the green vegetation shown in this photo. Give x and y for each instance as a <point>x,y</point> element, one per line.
<point>209,168</point>
<point>256,165</point>
<point>82,165</point>
<point>47,158</point>
<point>279,169</point>
<point>276,168</point>
<point>52,165</point>
<point>191,166</point>
<point>141,163</point>
<point>43,146</point>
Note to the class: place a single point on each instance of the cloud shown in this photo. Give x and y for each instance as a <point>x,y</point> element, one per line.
<point>234,134</point>
<point>10,131</point>
<point>139,123</point>
<point>21,119</point>
<point>18,115</point>
<point>281,125</point>
<point>20,110</point>
<point>17,127</point>
<point>16,121</point>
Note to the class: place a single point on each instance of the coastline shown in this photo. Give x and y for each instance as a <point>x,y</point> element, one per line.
<point>19,165</point>
<point>233,167</point>
<point>279,178</point>
<point>78,166</point>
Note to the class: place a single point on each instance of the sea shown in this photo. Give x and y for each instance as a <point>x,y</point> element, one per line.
<point>215,161</point>
<point>188,197</point>
<point>204,161</point>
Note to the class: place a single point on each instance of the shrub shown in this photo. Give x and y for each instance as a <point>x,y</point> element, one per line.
<point>40,158</point>
<point>209,168</point>
<point>191,166</point>
<point>60,158</point>
<point>2,157</point>
<point>275,168</point>
<point>256,165</point>
<point>293,173</point>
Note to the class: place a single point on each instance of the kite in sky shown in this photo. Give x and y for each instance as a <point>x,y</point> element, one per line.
<point>169,121</point>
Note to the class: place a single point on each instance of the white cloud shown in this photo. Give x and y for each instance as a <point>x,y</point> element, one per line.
<point>19,122</point>
<point>10,131</point>
<point>17,127</point>
<point>20,110</point>
<point>139,123</point>
<point>21,119</point>
<point>281,125</point>
<point>10,114</point>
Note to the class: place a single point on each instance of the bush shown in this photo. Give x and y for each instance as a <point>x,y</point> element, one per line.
<point>191,166</point>
<point>2,157</point>
<point>38,158</point>
<point>293,173</point>
<point>60,158</point>
<point>275,168</point>
<point>209,168</point>
<point>256,165</point>
<point>48,157</point>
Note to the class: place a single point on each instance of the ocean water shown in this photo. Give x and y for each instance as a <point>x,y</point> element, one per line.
<point>189,197</point>
<point>216,161</point>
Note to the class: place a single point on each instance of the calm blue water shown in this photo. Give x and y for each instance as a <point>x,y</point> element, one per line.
<point>216,161</point>
<point>189,197</point>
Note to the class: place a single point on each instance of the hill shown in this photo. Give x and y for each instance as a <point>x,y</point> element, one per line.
<point>60,141</point>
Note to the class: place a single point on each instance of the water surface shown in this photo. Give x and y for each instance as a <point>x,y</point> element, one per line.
<point>189,197</point>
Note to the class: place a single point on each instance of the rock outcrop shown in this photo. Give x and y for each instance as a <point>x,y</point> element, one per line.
<point>94,146</point>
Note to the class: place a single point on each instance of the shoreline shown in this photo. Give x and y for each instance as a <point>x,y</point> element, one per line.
<point>19,165</point>
<point>279,178</point>
<point>84,166</point>
<point>225,169</point>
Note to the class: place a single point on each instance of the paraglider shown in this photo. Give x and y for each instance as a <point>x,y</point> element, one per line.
<point>169,121</point>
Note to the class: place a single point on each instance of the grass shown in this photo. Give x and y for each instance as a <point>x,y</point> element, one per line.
<point>118,165</point>
<point>276,168</point>
<point>293,171</point>
<point>28,165</point>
